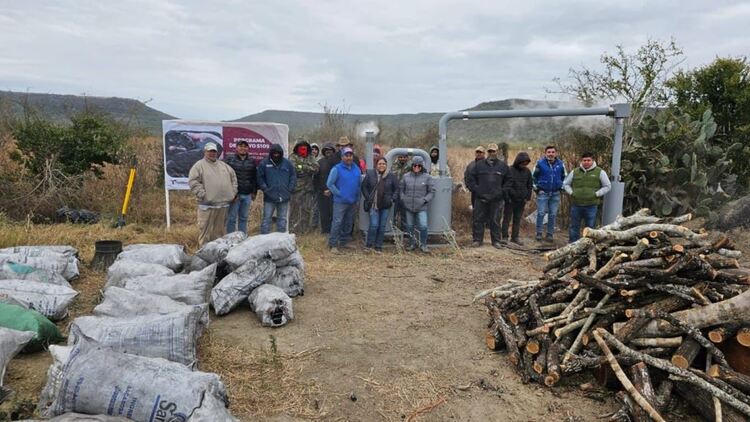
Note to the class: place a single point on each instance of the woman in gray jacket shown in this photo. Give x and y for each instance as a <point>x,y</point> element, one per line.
<point>416,190</point>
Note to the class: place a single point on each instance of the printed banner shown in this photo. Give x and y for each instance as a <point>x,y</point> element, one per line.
<point>184,141</point>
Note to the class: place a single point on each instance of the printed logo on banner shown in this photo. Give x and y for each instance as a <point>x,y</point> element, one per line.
<point>258,144</point>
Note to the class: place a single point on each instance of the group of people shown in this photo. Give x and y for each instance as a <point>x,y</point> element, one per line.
<point>322,188</point>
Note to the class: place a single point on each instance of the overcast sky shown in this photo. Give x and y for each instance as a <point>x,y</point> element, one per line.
<point>225,59</point>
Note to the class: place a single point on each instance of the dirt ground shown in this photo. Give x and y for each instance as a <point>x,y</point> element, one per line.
<point>375,337</point>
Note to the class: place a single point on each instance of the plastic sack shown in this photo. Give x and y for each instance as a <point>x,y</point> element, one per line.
<point>197,264</point>
<point>61,249</point>
<point>54,262</point>
<point>273,245</point>
<point>294,260</point>
<point>21,319</point>
<point>172,336</point>
<point>80,417</point>
<point>193,288</point>
<point>271,305</point>
<point>168,255</point>
<point>11,342</point>
<point>67,253</point>
<point>119,302</point>
<point>237,286</point>
<point>216,250</point>
<point>49,300</point>
<point>15,271</point>
<point>97,380</point>
<point>289,279</point>
<point>123,269</point>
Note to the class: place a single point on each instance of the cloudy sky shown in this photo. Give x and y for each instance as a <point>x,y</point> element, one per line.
<point>225,59</point>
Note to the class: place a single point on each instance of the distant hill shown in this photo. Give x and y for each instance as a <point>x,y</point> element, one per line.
<point>400,126</point>
<point>61,107</point>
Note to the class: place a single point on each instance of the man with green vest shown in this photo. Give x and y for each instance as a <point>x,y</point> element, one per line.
<point>586,185</point>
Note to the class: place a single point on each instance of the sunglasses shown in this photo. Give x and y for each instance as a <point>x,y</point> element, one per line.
<point>416,165</point>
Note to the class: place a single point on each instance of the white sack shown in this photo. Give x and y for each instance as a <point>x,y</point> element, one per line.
<point>80,417</point>
<point>61,249</point>
<point>52,253</point>
<point>55,263</point>
<point>273,245</point>
<point>197,264</point>
<point>100,381</point>
<point>119,302</point>
<point>271,305</point>
<point>193,288</point>
<point>168,255</point>
<point>49,300</point>
<point>216,250</point>
<point>15,271</point>
<point>289,279</point>
<point>123,269</point>
<point>236,287</point>
<point>11,342</point>
<point>294,260</point>
<point>172,336</point>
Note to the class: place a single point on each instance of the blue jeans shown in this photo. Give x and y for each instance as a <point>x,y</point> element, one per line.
<point>376,231</point>
<point>421,219</point>
<point>341,225</point>
<point>546,203</point>
<point>282,209</point>
<point>578,212</point>
<point>241,206</point>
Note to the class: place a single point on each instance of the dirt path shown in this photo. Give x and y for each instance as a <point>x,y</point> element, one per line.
<point>376,337</point>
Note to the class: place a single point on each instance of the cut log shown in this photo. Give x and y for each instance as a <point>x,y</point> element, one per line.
<point>514,356</point>
<point>642,383</point>
<point>729,253</point>
<point>639,248</point>
<point>634,325</point>
<point>576,346</point>
<point>570,249</point>
<point>721,334</point>
<point>552,309</point>
<point>731,377</point>
<point>657,342</point>
<point>635,394</point>
<point>685,354</point>
<point>639,231</point>
<point>743,336</point>
<point>703,402</point>
<point>731,311</point>
<point>533,346</point>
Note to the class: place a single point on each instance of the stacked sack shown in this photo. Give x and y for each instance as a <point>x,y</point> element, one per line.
<point>34,291</point>
<point>265,270</point>
<point>136,356</point>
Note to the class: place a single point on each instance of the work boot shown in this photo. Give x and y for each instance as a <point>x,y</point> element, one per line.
<point>334,250</point>
<point>476,244</point>
<point>517,241</point>
<point>504,240</point>
<point>538,237</point>
<point>411,247</point>
<point>424,249</point>
<point>497,245</point>
<point>549,238</point>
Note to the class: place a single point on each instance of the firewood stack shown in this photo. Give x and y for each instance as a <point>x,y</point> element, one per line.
<point>646,296</point>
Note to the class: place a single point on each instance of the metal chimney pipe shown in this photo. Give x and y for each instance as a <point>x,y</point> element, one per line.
<point>369,144</point>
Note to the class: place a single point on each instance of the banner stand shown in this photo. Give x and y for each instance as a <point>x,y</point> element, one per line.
<point>166,196</point>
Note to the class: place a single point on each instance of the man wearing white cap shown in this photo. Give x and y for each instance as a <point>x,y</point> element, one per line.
<point>214,184</point>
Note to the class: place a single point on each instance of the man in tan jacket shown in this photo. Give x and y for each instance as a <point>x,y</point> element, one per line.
<point>214,184</point>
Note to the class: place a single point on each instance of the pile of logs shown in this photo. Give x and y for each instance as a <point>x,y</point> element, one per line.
<point>644,296</point>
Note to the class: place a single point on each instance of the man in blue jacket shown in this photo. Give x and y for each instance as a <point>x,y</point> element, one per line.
<point>276,178</point>
<point>548,176</point>
<point>343,182</point>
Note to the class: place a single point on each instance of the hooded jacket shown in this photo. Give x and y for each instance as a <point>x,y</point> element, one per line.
<point>486,179</point>
<point>518,184</point>
<point>370,189</point>
<point>306,167</point>
<point>416,190</point>
<point>277,181</point>
<point>435,168</point>
<point>325,164</point>
<point>343,182</point>
<point>246,171</point>
<point>587,186</point>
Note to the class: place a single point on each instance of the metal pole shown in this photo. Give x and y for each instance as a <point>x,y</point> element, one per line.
<point>166,196</point>
<point>369,144</point>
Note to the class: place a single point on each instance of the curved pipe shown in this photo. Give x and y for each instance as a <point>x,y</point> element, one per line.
<point>506,114</point>
<point>409,151</point>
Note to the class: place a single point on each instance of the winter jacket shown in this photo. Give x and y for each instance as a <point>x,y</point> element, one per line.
<point>360,163</point>
<point>213,183</point>
<point>549,177</point>
<point>276,181</point>
<point>370,189</point>
<point>486,179</point>
<point>246,171</point>
<point>416,191</point>
<point>343,182</point>
<point>518,185</point>
<point>435,168</point>
<point>586,187</point>
<point>306,168</point>
<point>467,171</point>
<point>325,165</point>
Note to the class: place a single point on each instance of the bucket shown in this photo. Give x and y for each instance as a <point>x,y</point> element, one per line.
<point>105,253</point>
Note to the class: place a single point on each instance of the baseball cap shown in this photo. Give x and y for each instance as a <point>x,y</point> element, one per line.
<point>243,142</point>
<point>479,149</point>
<point>344,141</point>
<point>346,150</point>
<point>492,147</point>
<point>210,147</point>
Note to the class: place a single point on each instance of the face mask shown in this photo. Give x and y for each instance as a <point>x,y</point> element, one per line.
<point>302,151</point>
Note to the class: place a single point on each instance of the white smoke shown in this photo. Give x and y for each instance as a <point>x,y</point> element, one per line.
<point>363,128</point>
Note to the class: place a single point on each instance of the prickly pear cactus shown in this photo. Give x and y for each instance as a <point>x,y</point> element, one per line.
<point>673,167</point>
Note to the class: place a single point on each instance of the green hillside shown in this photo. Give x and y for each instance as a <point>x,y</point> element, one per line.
<point>60,107</point>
